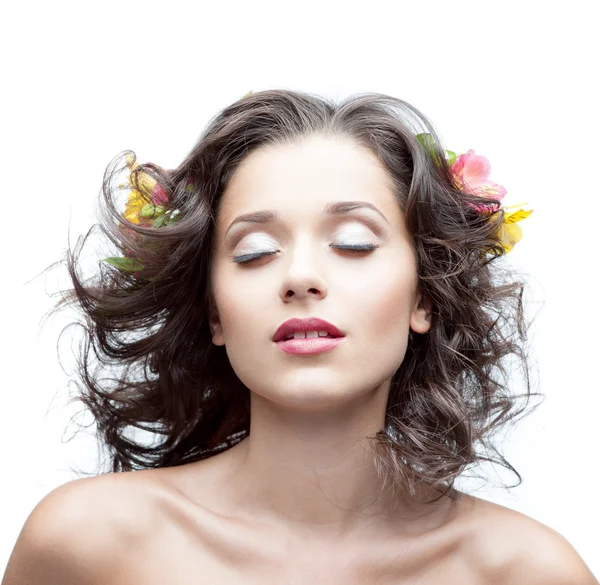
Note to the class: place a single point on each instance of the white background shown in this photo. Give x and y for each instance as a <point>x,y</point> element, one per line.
<point>517,82</point>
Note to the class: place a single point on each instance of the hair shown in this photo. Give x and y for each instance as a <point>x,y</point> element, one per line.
<point>147,361</point>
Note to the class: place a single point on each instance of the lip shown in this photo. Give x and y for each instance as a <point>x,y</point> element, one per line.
<point>309,346</point>
<point>308,324</point>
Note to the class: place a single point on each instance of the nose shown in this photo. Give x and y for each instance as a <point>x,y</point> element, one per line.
<point>303,277</point>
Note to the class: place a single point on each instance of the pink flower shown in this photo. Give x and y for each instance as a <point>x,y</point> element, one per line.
<point>159,195</point>
<point>471,172</point>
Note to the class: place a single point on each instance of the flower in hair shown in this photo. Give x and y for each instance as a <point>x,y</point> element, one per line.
<point>470,173</point>
<point>509,232</point>
<point>141,210</point>
<point>146,206</point>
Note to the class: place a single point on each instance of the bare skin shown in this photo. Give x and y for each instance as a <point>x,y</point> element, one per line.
<point>151,527</point>
<point>305,464</point>
<point>299,499</point>
<point>209,537</point>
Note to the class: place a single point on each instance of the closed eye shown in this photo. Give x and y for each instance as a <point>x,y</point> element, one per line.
<point>355,250</point>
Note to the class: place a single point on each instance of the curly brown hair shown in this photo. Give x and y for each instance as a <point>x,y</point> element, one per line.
<point>149,330</point>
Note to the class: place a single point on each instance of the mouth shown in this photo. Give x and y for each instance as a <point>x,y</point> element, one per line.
<point>306,328</point>
<point>307,336</point>
<point>309,345</point>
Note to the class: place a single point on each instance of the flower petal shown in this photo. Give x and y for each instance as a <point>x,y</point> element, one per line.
<point>511,217</point>
<point>476,168</point>
<point>485,207</point>
<point>509,234</point>
<point>145,182</point>
<point>457,169</point>
<point>491,189</point>
<point>159,195</point>
<point>135,202</point>
<point>132,215</point>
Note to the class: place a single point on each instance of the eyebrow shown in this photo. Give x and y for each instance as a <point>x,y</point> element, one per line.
<point>332,208</point>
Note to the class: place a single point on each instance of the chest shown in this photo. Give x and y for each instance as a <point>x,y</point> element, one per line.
<point>217,555</point>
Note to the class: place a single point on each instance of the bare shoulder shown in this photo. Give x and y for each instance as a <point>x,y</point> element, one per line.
<point>76,533</point>
<point>511,548</point>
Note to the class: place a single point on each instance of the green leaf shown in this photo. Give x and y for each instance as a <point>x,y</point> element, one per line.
<point>451,156</point>
<point>159,221</point>
<point>429,145</point>
<point>426,141</point>
<point>127,264</point>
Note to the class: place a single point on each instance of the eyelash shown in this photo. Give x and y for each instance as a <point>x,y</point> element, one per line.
<point>353,250</point>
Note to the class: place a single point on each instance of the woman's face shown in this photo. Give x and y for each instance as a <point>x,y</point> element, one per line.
<point>370,296</point>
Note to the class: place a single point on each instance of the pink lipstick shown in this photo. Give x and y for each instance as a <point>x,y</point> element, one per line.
<point>307,336</point>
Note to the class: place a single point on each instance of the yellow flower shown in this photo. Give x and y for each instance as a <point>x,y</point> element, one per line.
<point>134,205</point>
<point>145,181</point>
<point>137,198</point>
<point>509,233</point>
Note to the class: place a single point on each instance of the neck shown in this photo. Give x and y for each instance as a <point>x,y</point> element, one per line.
<point>314,472</point>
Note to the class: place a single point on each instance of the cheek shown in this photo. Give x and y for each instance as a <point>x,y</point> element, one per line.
<point>241,308</point>
<point>382,299</point>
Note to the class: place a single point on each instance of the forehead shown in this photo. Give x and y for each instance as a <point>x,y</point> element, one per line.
<point>303,176</point>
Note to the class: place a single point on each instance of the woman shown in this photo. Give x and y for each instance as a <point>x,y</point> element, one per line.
<point>312,310</point>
